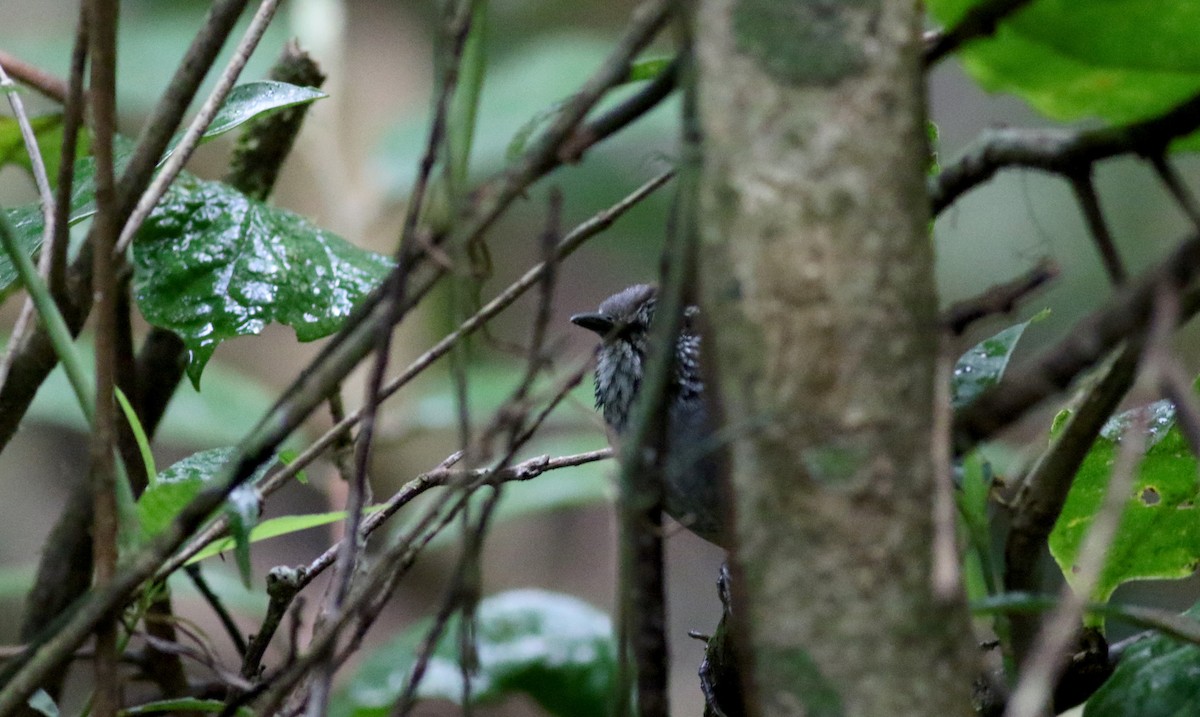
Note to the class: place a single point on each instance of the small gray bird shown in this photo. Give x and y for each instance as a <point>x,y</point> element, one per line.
<point>692,491</point>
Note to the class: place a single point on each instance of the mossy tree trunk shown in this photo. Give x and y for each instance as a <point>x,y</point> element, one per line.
<point>818,288</point>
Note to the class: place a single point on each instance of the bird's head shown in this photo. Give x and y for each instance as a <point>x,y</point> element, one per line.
<point>623,323</point>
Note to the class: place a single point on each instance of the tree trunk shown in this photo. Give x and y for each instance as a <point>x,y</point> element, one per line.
<point>818,288</point>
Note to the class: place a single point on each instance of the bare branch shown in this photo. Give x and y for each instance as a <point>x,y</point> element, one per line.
<point>1089,202</point>
<point>37,78</point>
<point>1063,152</point>
<point>999,299</point>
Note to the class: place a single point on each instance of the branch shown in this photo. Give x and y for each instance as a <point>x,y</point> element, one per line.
<point>978,22</point>
<point>1092,338</point>
<point>999,299</point>
<point>34,361</point>
<point>37,78</point>
<point>1089,202</point>
<point>1043,493</point>
<point>1063,152</point>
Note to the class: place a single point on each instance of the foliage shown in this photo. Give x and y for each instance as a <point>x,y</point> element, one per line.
<point>1120,60</point>
<point>554,648</point>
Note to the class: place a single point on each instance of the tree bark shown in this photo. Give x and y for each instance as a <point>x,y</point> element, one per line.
<point>818,288</point>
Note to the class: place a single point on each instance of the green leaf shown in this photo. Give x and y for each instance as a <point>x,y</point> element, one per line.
<point>554,648</point>
<point>211,264</point>
<point>48,131</point>
<point>183,704</point>
<point>1156,676</point>
<point>243,103</point>
<point>220,415</point>
<point>275,527</point>
<point>648,68</point>
<point>983,365</point>
<point>1159,533</point>
<point>242,508</point>
<point>1119,60</point>
<point>139,433</point>
<point>175,487</point>
<point>286,457</point>
<point>247,101</point>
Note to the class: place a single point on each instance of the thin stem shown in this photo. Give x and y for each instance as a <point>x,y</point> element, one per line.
<point>191,138</point>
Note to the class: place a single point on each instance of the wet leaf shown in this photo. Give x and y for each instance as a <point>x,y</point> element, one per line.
<point>554,648</point>
<point>983,365</point>
<point>1156,676</point>
<point>211,264</point>
<point>176,486</point>
<point>1159,533</point>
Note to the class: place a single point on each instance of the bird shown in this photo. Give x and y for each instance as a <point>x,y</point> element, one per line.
<point>692,486</point>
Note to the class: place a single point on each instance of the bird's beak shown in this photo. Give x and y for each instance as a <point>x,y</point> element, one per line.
<point>596,323</point>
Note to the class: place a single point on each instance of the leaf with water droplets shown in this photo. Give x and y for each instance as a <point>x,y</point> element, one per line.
<point>983,365</point>
<point>211,264</point>
<point>1159,533</point>
<point>553,648</point>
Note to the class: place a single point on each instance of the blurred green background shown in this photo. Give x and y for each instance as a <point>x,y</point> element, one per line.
<point>350,172</point>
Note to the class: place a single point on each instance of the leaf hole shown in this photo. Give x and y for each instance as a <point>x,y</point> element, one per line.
<point>1150,496</point>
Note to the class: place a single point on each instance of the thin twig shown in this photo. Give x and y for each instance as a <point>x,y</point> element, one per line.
<point>998,299</point>
<point>218,607</point>
<point>102,24</point>
<point>37,78</point>
<point>1063,152</point>
<point>1040,672</point>
<point>1089,202</point>
<point>947,584</point>
<point>1178,189</point>
<point>395,288</point>
<point>50,211</point>
<point>1092,338</point>
<point>208,111</point>
<point>8,87</point>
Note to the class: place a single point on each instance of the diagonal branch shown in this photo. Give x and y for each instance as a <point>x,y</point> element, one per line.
<point>1089,202</point>
<point>978,22</point>
<point>1063,152</point>
<point>1092,338</point>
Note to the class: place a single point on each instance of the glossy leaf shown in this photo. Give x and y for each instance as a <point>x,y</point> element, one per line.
<point>983,365</point>
<point>1156,676</point>
<point>1159,533</point>
<point>211,264</point>
<point>247,101</point>
<point>176,486</point>
<point>1119,60</point>
<point>554,648</point>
